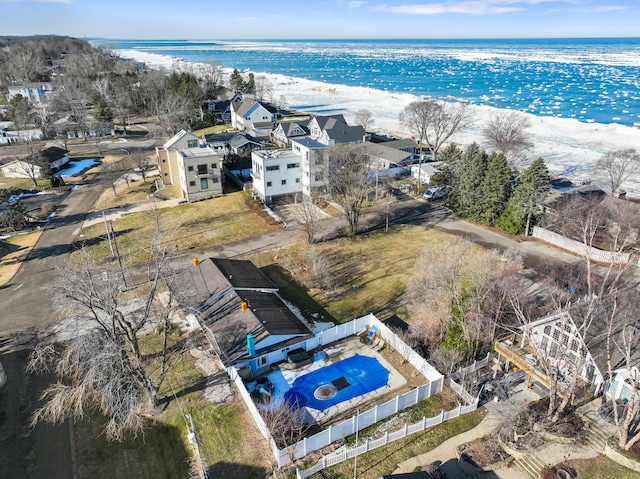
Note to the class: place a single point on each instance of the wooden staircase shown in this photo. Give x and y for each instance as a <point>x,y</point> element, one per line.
<point>530,465</point>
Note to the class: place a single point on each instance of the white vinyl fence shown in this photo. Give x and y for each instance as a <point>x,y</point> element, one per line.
<point>350,426</point>
<point>347,453</point>
<point>580,248</point>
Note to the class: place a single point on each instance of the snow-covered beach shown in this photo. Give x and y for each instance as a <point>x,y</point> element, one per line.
<point>569,147</point>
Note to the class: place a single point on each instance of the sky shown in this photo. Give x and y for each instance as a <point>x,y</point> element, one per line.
<point>317,19</point>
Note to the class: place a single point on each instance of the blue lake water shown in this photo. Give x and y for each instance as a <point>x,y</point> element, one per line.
<point>591,80</point>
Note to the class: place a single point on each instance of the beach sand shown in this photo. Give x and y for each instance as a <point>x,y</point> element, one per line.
<point>570,148</point>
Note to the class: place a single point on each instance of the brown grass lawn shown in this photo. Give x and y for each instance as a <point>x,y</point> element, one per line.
<point>13,251</point>
<point>134,192</point>
<point>194,225</point>
<point>370,271</point>
<point>229,442</point>
<point>601,467</point>
<point>211,129</point>
<point>22,183</point>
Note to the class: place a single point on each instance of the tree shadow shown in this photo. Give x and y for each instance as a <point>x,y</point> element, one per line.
<point>297,294</point>
<point>237,471</point>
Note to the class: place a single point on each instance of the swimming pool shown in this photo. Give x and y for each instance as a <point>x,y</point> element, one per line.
<point>337,382</point>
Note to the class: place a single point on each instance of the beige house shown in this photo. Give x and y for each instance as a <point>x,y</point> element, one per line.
<point>167,155</point>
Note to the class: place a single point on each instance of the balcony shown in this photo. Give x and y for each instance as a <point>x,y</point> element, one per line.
<point>525,358</point>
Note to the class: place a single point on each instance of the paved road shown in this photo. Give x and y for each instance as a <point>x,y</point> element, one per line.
<point>25,299</point>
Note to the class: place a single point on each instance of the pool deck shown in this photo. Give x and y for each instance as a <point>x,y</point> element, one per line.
<point>283,379</point>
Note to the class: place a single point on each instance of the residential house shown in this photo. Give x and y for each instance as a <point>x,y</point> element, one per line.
<point>200,173</point>
<point>287,130</point>
<point>334,130</point>
<point>313,165</point>
<point>39,165</point>
<point>385,160</point>
<point>275,173</point>
<point>242,313</point>
<point>167,154</point>
<point>34,92</point>
<point>425,171</point>
<point>406,144</point>
<point>72,129</point>
<point>243,144</point>
<point>256,118</point>
<point>9,134</point>
<point>574,341</point>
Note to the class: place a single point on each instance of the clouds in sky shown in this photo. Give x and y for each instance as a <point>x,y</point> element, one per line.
<point>488,7</point>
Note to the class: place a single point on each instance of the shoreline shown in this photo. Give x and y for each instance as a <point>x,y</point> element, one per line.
<point>570,148</point>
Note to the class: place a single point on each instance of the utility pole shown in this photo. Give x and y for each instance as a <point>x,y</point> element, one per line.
<point>108,234</point>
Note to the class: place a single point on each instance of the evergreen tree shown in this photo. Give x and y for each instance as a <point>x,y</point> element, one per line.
<point>529,196</point>
<point>449,157</point>
<point>103,112</point>
<point>60,180</point>
<point>54,181</point>
<point>236,82</point>
<point>250,86</point>
<point>495,190</point>
<point>469,172</point>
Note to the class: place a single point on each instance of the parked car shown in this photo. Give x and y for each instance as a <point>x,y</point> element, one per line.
<point>435,193</point>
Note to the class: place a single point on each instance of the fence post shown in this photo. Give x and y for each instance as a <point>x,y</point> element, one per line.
<point>459,409</point>
<point>304,446</point>
<point>417,395</point>
<point>441,416</point>
<point>354,421</point>
<point>424,422</point>
<point>397,403</point>
<point>375,413</point>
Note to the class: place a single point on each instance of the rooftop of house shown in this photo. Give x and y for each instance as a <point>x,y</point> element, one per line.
<point>249,104</point>
<point>404,144</point>
<point>197,152</point>
<point>380,150</point>
<point>309,143</point>
<point>177,137</point>
<point>217,275</point>
<point>292,128</point>
<point>277,154</point>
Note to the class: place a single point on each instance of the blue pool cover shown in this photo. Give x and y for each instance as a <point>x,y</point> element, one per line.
<point>349,378</point>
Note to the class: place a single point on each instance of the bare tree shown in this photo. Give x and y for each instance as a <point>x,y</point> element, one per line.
<point>264,89</point>
<point>623,344</point>
<point>435,122</point>
<point>506,132</point>
<point>285,423</point>
<point>348,179</point>
<point>309,216</point>
<point>619,166</point>
<point>575,298</point>
<point>138,159</point>
<point>365,118</point>
<point>104,365</point>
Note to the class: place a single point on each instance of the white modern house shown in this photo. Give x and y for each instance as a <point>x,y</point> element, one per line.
<point>312,163</point>
<point>275,173</point>
<point>200,173</point>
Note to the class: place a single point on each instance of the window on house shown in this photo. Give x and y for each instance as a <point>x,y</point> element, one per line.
<point>553,352</point>
<point>273,168</point>
<point>268,184</point>
<point>544,343</point>
<point>189,168</point>
<point>214,180</point>
<point>556,333</point>
<point>202,169</point>
<point>293,165</point>
<point>297,180</point>
<point>204,184</point>
<point>547,329</point>
<point>213,166</point>
<point>192,183</point>
<point>574,345</point>
<point>283,182</point>
<point>192,143</point>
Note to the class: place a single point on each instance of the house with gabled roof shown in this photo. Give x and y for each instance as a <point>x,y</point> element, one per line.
<point>166,154</point>
<point>39,165</point>
<point>334,130</point>
<point>257,119</point>
<point>286,131</point>
<point>574,343</point>
<point>242,313</point>
<point>34,92</point>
